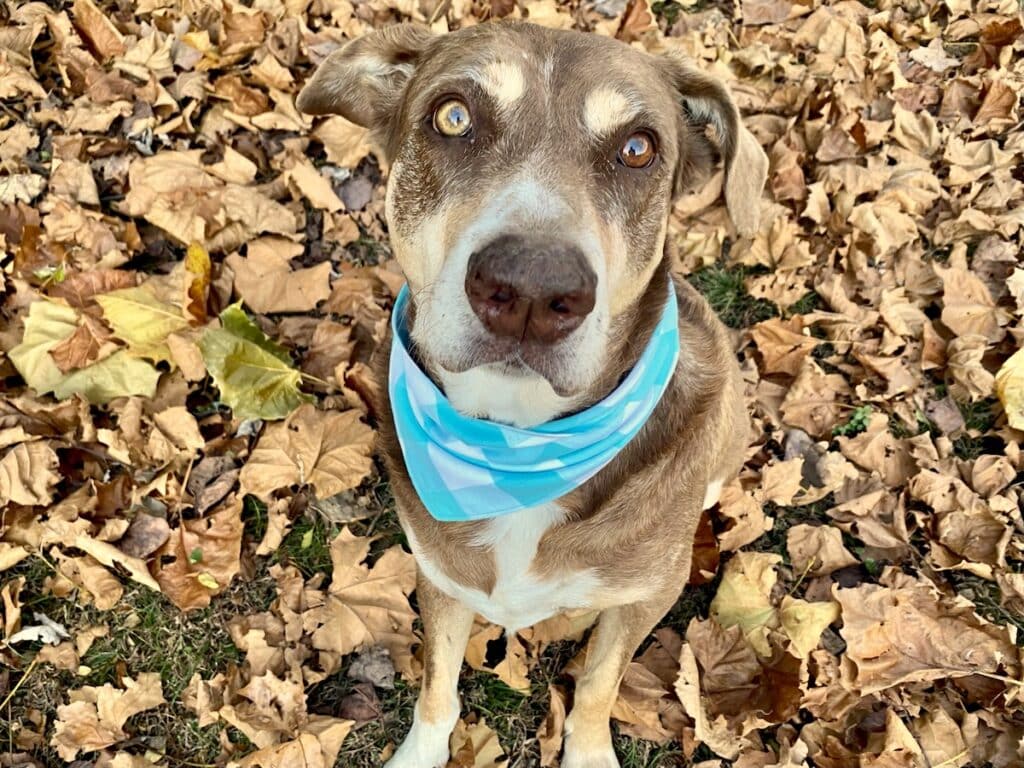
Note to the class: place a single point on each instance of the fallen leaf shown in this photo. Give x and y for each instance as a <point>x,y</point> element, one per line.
<point>366,605</point>
<point>28,473</point>
<point>817,549</point>
<point>329,451</point>
<point>476,746</point>
<point>804,622</point>
<point>142,320</point>
<point>743,598</point>
<point>201,550</point>
<point>255,376</point>
<point>1009,387</point>
<point>94,718</point>
<point>267,283</point>
<point>550,733</point>
<point>910,633</point>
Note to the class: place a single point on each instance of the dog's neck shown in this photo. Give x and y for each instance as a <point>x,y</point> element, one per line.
<point>525,399</point>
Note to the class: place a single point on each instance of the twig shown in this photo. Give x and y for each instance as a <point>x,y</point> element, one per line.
<point>21,680</point>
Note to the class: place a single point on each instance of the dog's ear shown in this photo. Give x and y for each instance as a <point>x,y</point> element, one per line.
<point>706,101</point>
<point>364,80</point>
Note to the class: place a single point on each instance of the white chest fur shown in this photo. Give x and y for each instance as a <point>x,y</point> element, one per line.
<point>519,598</point>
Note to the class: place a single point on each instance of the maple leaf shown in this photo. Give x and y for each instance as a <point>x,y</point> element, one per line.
<point>205,556</point>
<point>267,283</point>
<point>142,320</point>
<point>907,632</point>
<point>475,746</point>
<point>94,718</point>
<point>367,605</point>
<point>254,375</point>
<point>48,325</point>
<point>512,669</point>
<point>329,451</point>
<point>744,597</point>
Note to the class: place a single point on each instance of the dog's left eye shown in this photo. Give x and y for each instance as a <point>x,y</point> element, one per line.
<point>452,118</point>
<point>637,151</point>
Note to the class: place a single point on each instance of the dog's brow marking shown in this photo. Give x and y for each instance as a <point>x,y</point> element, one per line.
<point>503,81</point>
<point>605,109</point>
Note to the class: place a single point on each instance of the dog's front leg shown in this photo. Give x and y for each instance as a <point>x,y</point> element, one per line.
<point>446,627</point>
<point>619,633</point>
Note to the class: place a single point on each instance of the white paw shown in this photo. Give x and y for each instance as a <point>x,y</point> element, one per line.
<point>426,746</point>
<point>578,754</point>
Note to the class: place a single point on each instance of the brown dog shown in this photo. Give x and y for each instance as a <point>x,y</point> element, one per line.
<point>532,174</point>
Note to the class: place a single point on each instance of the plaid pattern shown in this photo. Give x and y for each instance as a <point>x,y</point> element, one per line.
<point>472,469</point>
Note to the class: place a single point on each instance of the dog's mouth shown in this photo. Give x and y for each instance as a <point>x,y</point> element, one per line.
<point>517,359</point>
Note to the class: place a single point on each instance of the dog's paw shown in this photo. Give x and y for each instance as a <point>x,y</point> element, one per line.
<point>426,746</point>
<point>577,754</point>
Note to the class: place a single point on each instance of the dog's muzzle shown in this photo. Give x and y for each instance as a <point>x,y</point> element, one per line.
<point>529,288</point>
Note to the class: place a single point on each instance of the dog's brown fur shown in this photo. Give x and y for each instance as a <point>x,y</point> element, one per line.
<point>633,523</point>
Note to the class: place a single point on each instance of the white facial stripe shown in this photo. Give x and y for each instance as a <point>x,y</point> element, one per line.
<point>605,109</point>
<point>504,82</point>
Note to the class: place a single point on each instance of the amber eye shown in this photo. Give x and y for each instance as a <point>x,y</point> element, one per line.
<point>637,151</point>
<point>452,118</point>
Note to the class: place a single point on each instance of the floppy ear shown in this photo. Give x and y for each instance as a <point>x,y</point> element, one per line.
<point>364,80</point>
<point>706,101</point>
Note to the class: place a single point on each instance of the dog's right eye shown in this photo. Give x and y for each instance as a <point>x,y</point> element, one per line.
<point>452,118</point>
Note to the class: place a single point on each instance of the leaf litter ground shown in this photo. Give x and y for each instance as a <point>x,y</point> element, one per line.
<point>200,562</point>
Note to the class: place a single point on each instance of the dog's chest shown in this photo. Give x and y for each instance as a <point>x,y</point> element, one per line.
<point>520,597</point>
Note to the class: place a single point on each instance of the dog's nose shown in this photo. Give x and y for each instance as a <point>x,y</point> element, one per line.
<point>530,288</point>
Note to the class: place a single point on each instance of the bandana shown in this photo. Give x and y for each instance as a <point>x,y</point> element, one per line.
<point>474,469</point>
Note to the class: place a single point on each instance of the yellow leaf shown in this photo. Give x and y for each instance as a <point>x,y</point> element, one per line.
<point>207,581</point>
<point>804,622</point>
<point>254,375</point>
<point>1010,389</point>
<point>50,323</point>
<point>744,597</point>
<point>141,320</point>
<point>197,281</point>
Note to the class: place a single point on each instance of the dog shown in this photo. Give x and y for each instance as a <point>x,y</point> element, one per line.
<point>532,172</point>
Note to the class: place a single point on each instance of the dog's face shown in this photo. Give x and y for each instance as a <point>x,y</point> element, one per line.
<point>532,172</point>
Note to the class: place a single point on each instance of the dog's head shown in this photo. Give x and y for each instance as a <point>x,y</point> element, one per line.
<point>532,173</point>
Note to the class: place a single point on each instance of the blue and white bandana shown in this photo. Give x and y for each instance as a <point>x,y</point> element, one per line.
<point>473,469</point>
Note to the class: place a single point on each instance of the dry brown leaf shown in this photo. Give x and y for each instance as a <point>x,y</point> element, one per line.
<point>94,718</point>
<point>475,746</point>
<point>817,549</point>
<point>910,633</point>
<point>512,669</point>
<point>27,474</point>
<point>329,451</point>
<point>366,605</point>
<point>551,732</point>
<point>267,283</point>
<point>205,556</point>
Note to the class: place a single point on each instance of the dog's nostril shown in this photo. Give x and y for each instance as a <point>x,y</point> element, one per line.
<point>502,296</point>
<point>559,306</point>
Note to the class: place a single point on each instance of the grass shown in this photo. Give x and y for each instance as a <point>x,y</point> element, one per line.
<point>147,633</point>
<point>724,289</point>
